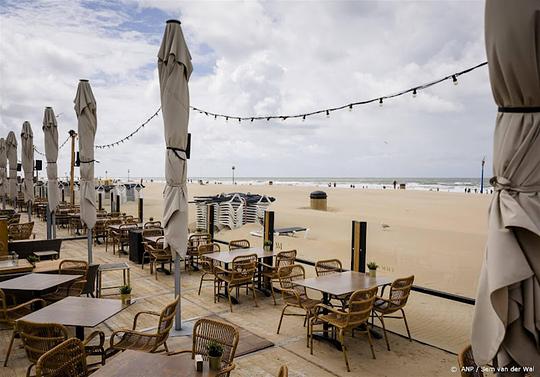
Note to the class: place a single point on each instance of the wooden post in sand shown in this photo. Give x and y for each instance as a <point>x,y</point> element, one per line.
<point>358,246</point>
<point>269,228</point>
<point>210,221</point>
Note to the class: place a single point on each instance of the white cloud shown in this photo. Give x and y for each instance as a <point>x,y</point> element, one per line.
<point>256,58</point>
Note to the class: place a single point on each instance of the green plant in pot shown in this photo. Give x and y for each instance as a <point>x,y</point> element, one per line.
<point>372,267</point>
<point>32,259</point>
<point>215,353</point>
<point>267,245</point>
<point>125,294</point>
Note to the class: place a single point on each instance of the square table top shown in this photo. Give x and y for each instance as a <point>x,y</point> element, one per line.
<point>37,282</point>
<point>153,239</point>
<point>77,311</point>
<point>142,364</point>
<point>228,256</point>
<point>117,226</point>
<point>343,283</point>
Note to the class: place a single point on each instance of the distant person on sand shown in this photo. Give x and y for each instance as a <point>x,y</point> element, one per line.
<point>395,184</point>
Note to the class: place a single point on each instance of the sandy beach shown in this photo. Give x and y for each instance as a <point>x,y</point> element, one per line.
<point>437,236</point>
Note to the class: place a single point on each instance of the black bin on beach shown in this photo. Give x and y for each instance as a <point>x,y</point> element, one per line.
<point>318,200</point>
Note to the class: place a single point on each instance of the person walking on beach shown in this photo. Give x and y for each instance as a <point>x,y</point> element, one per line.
<point>395,184</point>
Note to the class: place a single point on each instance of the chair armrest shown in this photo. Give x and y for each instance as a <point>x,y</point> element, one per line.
<point>267,266</point>
<point>27,303</point>
<point>121,332</point>
<point>320,307</point>
<point>91,337</point>
<point>291,292</point>
<point>149,312</point>
<point>225,371</point>
<point>179,352</point>
<point>221,270</point>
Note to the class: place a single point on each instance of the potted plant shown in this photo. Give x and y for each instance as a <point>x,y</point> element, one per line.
<point>215,352</point>
<point>372,266</point>
<point>125,294</point>
<point>267,245</point>
<point>32,259</point>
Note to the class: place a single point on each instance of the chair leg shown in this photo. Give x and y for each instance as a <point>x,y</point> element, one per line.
<point>311,335</point>
<point>344,348</point>
<point>272,292</point>
<point>9,348</point>
<point>200,284</point>
<point>254,295</point>
<point>166,347</point>
<point>370,343</point>
<point>281,318</point>
<point>307,329</point>
<point>381,318</point>
<point>406,325</point>
<point>29,370</point>
<point>229,296</point>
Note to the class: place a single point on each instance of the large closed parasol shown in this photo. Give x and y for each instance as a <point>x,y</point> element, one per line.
<point>506,321</point>
<point>3,172</point>
<point>174,67</point>
<point>85,108</point>
<point>27,157</point>
<point>50,132</point>
<point>11,151</point>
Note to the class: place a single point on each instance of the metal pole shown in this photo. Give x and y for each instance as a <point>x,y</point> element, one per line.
<point>141,210</point>
<point>48,218</point>
<point>118,203</point>
<point>100,201</point>
<point>53,224</point>
<point>186,328</point>
<point>112,201</point>
<point>29,209</point>
<point>89,245</point>
<point>482,176</point>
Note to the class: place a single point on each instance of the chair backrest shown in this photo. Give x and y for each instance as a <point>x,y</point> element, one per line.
<point>245,265</point>
<point>360,306</point>
<point>90,286</point>
<point>3,308</point>
<point>38,338</point>
<point>152,232</point>
<point>20,231</point>
<point>14,219</point>
<point>328,266</point>
<point>239,244</point>
<point>152,224</point>
<point>197,239</point>
<point>165,323</point>
<point>400,290</point>
<point>467,365</point>
<point>283,371</point>
<point>66,359</point>
<point>73,267</point>
<point>208,330</point>
<point>287,276</point>
<point>285,258</point>
<point>208,248</point>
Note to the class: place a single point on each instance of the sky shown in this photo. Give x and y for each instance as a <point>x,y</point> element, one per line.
<point>259,58</point>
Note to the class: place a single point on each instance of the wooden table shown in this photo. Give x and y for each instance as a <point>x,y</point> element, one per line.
<point>227,257</point>
<point>338,284</point>
<point>142,364</point>
<point>37,282</point>
<point>79,312</point>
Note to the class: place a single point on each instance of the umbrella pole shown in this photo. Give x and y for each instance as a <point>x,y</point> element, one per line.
<point>3,202</point>
<point>186,328</point>
<point>48,218</point>
<point>29,209</point>
<point>89,232</point>
<point>53,224</point>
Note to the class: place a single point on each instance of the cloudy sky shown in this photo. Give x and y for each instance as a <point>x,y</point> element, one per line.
<point>260,58</point>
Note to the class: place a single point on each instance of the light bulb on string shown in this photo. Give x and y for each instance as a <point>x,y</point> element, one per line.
<point>454,79</point>
<point>414,93</point>
<point>327,114</point>
<point>226,119</point>
<point>350,107</point>
<point>380,102</point>
<point>304,118</point>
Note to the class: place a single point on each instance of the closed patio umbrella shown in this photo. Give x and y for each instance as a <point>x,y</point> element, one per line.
<point>27,157</point>
<point>50,131</point>
<point>11,151</point>
<point>3,172</point>
<point>174,67</point>
<point>85,108</point>
<point>506,322</point>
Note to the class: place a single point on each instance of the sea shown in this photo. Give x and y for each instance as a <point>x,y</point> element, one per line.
<point>411,183</point>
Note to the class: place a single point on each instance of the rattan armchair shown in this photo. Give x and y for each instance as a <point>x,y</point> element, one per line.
<point>467,365</point>
<point>207,265</point>
<point>208,330</point>
<point>126,339</point>
<point>295,295</point>
<point>9,314</point>
<point>110,238</point>
<point>356,314</point>
<point>38,338</point>
<point>21,231</point>
<point>99,231</point>
<point>158,254</point>
<point>194,241</point>
<point>72,288</point>
<point>66,359</point>
<point>396,301</point>
<point>270,273</point>
<point>328,267</point>
<point>122,236</point>
<point>152,224</point>
<point>239,244</point>
<point>241,273</point>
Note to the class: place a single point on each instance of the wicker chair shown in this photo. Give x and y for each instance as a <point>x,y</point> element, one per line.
<point>72,288</point>
<point>99,231</point>
<point>152,224</point>
<point>14,219</point>
<point>10,314</point>
<point>66,359</point>
<point>239,244</point>
<point>397,298</point>
<point>207,265</point>
<point>295,295</point>
<point>38,338</point>
<point>143,341</point>
<point>467,365</point>
<point>242,272</point>
<point>283,258</point>
<point>193,247</point>
<point>283,371</point>
<point>111,233</point>
<point>157,254</point>
<point>357,313</point>
<point>21,231</point>
<point>122,236</point>
<point>150,232</point>
<point>208,330</point>
<point>328,267</point>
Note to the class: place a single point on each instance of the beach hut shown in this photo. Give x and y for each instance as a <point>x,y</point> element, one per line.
<point>85,108</point>
<point>50,131</point>
<point>174,68</point>
<point>506,323</point>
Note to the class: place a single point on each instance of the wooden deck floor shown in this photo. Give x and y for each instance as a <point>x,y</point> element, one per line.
<point>405,358</point>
